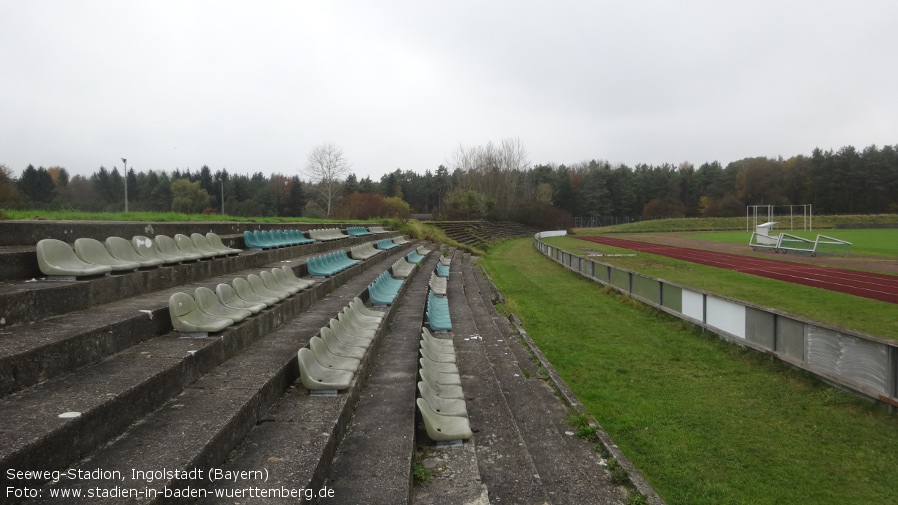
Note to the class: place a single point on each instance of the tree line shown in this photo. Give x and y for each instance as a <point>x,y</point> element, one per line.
<point>492,181</point>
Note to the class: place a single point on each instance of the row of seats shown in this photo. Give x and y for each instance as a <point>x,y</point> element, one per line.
<point>90,257</point>
<point>386,244</point>
<point>442,268</point>
<point>332,359</point>
<point>377,229</point>
<point>329,264</point>
<point>439,278</point>
<point>402,268</point>
<point>209,312</point>
<point>384,289</point>
<point>441,403</point>
<point>265,239</point>
<point>438,313</point>
<point>326,234</point>
<point>357,231</point>
<point>363,251</point>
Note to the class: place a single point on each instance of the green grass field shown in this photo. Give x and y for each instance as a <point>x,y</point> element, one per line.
<point>840,309</point>
<point>705,421</point>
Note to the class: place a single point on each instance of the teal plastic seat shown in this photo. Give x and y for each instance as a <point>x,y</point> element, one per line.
<point>93,251</point>
<point>121,249</point>
<point>442,270</point>
<point>414,257</point>
<point>443,406</point>
<point>229,298</point>
<point>186,316</point>
<point>443,428</point>
<point>208,302</point>
<point>146,247</point>
<point>331,360</point>
<point>168,246</point>
<point>316,377</point>
<point>55,258</point>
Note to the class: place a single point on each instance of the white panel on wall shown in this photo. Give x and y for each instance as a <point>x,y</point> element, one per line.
<point>693,305</point>
<point>726,316</point>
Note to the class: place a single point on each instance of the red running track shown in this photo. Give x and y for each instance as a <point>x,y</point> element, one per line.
<point>868,285</point>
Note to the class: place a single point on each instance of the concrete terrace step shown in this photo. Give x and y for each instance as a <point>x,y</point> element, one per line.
<point>505,465</point>
<point>30,353</point>
<point>121,389</point>
<point>374,460</point>
<point>570,470</point>
<point>298,440</point>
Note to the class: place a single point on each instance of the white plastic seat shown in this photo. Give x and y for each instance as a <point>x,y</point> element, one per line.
<point>93,251</point>
<point>365,327</point>
<point>245,291</point>
<point>437,367</point>
<point>281,278</point>
<point>444,406</point>
<point>209,303</point>
<point>443,428</point>
<point>438,344</point>
<point>55,258</point>
<point>445,260</point>
<point>186,317</point>
<point>360,306</point>
<point>436,356</point>
<point>437,284</point>
<point>121,249</point>
<point>331,360</point>
<point>168,246</point>
<point>271,282</point>
<point>146,247</point>
<point>402,268</point>
<point>229,298</point>
<point>344,336</point>
<point>357,314</point>
<point>316,377</point>
<point>339,348</point>
<point>291,276</point>
<point>440,378</point>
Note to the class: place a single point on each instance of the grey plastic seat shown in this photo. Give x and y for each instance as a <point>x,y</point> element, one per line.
<point>445,260</point>
<point>259,287</point>
<point>209,303</point>
<point>93,251</point>
<point>331,360</point>
<point>436,356</point>
<point>402,268</point>
<point>271,282</point>
<point>346,337</point>
<point>185,244</point>
<point>245,291</point>
<point>349,318</point>
<point>360,306</point>
<point>147,248</point>
<point>443,428</point>
<point>121,249</point>
<point>423,251</point>
<point>316,377</point>
<point>437,367</point>
<point>215,241</point>
<point>187,317</point>
<point>281,277</point>
<point>440,378</point>
<point>438,344</point>
<point>437,284</point>
<point>444,406</point>
<point>292,277</point>
<point>339,348</point>
<point>228,297</point>
<point>57,259</point>
<point>357,314</point>
<point>202,244</point>
<point>168,246</point>
<point>444,390</point>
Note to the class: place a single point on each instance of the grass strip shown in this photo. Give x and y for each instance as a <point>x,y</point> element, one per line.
<point>706,422</point>
<point>839,309</point>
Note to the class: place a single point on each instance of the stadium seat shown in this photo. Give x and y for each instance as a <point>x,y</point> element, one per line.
<point>271,282</point>
<point>444,390</point>
<point>121,249</point>
<point>441,378</point>
<point>331,360</point>
<point>316,377</point>
<point>291,276</point>
<point>434,342</point>
<point>443,428</point>
<point>186,317</point>
<point>93,251</point>
<point>228,297</point>
<point>442,270</point>
<point>246,292</point>
<point>436,366</point>
<point>208,302</point>
<point>414,257</point>
<point>366,320</point>
<point>435,355</point>
<point>354,328</point>
<point>168,246</point>
<point>262,290</point>
<point>147,248</point>
<point>346,336</point>
<point>281,277</point>
<point>437,284</point>
<point>402,268</point>
<point>186,244</point>
<point>386,244</point>
<point>215,241</point>
<point>444,406</point>
<point>56,259</point>
<point>335,346</point>
<point>360,306</point>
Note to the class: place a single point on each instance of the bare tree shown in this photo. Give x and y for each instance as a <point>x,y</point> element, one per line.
<point>327,167</point>
<point>496,171</point>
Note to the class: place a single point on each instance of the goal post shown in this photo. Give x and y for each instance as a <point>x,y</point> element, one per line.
<point>796,217</point>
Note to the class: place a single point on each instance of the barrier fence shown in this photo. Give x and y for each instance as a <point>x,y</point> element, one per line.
<point>863,364</point>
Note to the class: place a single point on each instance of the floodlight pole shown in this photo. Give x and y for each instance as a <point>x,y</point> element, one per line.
<point>125,162</point>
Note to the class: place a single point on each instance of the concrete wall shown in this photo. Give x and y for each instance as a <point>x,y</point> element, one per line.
<point>862,363</point>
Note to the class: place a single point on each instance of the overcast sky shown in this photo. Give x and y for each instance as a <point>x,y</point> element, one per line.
<point>254,85</point>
